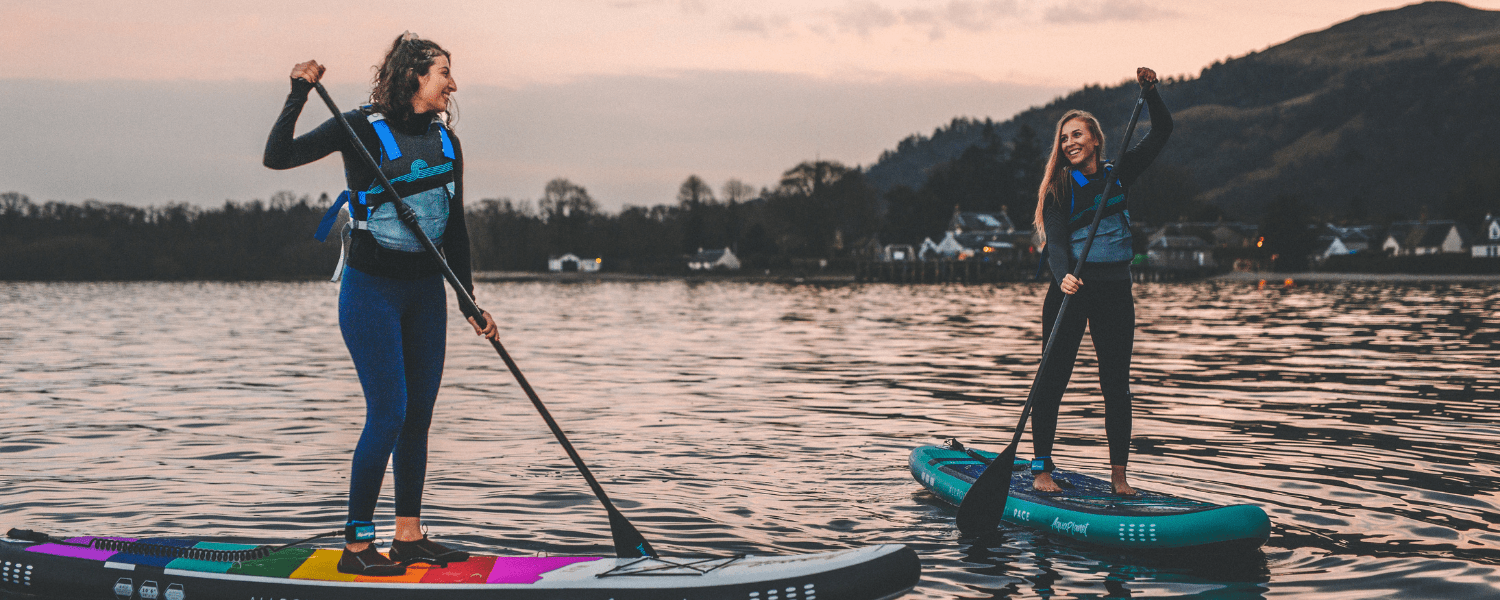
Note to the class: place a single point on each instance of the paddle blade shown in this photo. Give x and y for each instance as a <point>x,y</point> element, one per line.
<point>984,505</point>
<point>629,543</point>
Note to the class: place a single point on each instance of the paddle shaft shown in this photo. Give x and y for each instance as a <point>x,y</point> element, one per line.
<point>989,492</point>
<point>628,541</point>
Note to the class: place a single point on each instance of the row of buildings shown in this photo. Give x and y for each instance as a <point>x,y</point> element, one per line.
<point>704,260</point>
<point>1184,247</point>
<point>1187,246</point>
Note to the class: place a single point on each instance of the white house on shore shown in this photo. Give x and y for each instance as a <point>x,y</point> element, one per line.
<point>948,248</point>
<point>709,260</point>
<point>1487,245</point>
<point>1337,240</point>
<point>570,263</point>
<point>1417,238</point>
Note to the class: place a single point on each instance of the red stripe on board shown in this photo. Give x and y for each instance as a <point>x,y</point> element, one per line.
<point>475,570</point>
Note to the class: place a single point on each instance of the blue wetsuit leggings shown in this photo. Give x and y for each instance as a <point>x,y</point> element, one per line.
<point>1108,309</point>
<point>396,331</point>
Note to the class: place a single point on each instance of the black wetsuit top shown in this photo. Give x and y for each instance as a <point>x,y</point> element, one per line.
<point>285,152</point>
<point>1059,251</point>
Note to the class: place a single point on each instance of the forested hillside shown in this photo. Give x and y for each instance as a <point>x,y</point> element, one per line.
<point>1385,114</point>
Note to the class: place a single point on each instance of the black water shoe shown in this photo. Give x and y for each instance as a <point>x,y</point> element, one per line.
<point>425,551</point>
<point>370,562</point>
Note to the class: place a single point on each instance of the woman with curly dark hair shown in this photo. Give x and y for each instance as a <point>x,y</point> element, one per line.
<point>392,306</point>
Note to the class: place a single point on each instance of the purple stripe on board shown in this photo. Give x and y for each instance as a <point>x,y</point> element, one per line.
<point>529,569</point>
<point>75,551</point>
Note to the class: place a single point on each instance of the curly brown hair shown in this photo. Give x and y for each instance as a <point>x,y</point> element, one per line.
<point>397,78</point>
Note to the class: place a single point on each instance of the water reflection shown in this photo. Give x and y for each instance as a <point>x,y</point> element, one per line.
<point>728,417</point>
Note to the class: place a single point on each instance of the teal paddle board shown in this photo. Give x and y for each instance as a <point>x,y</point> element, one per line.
<point>1088,511</point>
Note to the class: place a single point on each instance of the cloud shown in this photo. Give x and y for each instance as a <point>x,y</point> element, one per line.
<point>864,16</point>
<point>979,16</point>
<point>689,7</point>
<point>1098,11</point>
<point>629,139</point>
<point>968,15</point>
<point>757,24</point>
<point>868,17</point>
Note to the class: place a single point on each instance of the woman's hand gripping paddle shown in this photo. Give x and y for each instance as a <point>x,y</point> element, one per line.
<point>628,541</point>
<point>984,505</point>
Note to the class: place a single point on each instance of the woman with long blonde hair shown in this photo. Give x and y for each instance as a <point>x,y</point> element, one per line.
<point>1070,193</point>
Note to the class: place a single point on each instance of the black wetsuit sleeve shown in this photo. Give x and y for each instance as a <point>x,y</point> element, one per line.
<point>1059,247</point>
<point>1144,153</point>
<point>283,151</point>
<point>456,236</point>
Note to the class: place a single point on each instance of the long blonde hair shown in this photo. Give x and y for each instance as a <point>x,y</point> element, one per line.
<point>1053,181</point>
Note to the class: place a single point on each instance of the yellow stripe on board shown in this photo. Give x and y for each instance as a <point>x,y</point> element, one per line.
<point>323,565</point>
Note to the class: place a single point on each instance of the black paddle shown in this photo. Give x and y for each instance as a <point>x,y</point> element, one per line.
<point>628,542</point>
<point>984,505</point>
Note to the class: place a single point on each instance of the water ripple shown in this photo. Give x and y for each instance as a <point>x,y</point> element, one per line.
<point>730,417</point>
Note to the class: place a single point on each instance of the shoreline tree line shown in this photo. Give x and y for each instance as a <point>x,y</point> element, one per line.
<point>818,210</point>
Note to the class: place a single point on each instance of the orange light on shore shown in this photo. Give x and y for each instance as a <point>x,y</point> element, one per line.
<point>1260,242</point>
<point>1288,283</point>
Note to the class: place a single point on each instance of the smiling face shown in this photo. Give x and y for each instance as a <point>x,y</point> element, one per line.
<point>1079,146</point>
<point>435,86</point>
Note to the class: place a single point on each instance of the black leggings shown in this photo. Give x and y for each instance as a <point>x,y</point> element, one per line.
<point>1108,309</point>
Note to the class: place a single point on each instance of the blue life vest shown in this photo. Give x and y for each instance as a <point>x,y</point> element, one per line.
<point>1113,242</point>
<point>421,169</point>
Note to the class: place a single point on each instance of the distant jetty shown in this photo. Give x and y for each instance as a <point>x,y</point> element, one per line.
<point>1320,277</point>
<point>733,276</point>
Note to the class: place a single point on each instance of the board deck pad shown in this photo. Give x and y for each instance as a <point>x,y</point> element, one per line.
<point>1087,509</point>
<point>321,565</point>
<point>1081,492</point>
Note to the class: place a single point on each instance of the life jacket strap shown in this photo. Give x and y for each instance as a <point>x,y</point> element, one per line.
<point>329,217</point>
<point>387,141</point>
<point>1083,182</point>
<point>1080,178</point>
<point>447,143</point>
<point>354,222</point>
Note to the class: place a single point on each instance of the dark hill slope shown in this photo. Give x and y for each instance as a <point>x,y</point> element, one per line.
<point>1378,114</point>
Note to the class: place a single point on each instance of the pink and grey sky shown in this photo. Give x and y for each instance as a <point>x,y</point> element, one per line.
<point>170,101</point>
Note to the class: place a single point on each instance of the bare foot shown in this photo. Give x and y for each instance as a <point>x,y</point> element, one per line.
<point>1043,483</point>
<point>1117,481</point>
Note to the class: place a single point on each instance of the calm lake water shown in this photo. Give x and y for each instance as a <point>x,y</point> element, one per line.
<point>738,417</point>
